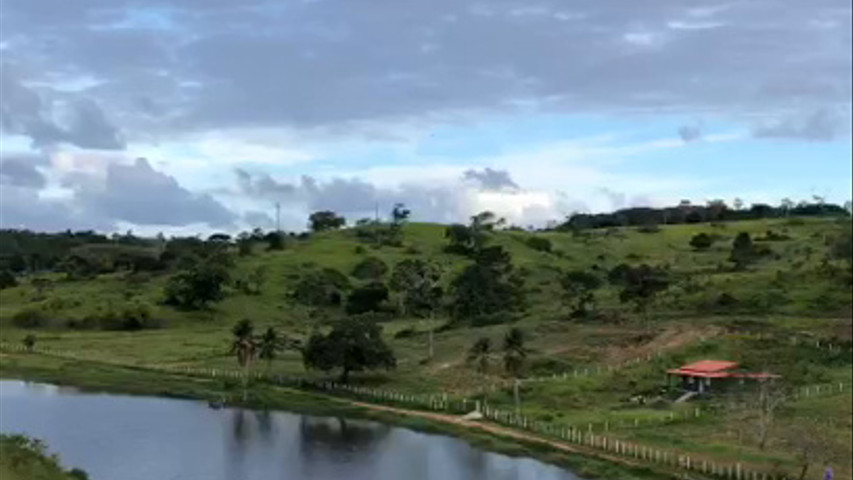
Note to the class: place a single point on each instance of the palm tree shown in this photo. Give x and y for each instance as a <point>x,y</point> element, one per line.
<point>269,346</point>
<point>481,354</point>
<point>245,346</point>
<point>514,355</point>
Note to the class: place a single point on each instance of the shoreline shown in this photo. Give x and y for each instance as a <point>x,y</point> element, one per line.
<point>95,377</point>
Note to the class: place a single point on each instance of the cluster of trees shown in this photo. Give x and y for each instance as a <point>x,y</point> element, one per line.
<point>513,355</point>
<point>713,211</point>
<point>639,285</point>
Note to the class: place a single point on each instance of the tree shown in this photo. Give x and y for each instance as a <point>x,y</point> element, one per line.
<point>640,285</point>
<point>786,206</point>
<point>325,220</point>
<point>318,288</point>
<point>743,251</point>
<point>486,291</point>
<point>417,285</point>
<point>765,402</point>
<point>275,240</point>
<point>353,345</point>
<point>579,291</point>
<point>7,279</point>
<point>809,441</point>
<point>269,345</point>
<point>738,204</point>
<point>197,286</point>
<point>245,346</point>
<point>29,342</point>
<point>399,214</point>
<point>480,354</point>
<point>371,268</point>
<point>367,298</point>
<point>701,241</point>
<point>514,355</point>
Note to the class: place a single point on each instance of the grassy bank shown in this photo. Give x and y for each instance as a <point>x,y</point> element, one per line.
<point>24,458</point>
<point>98,377</point>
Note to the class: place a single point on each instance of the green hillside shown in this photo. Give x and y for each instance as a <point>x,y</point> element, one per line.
<point>769,316</point>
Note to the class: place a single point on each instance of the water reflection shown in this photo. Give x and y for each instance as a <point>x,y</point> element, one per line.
<point>118,437</point>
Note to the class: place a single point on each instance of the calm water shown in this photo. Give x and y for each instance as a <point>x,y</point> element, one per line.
<point>116,437</point>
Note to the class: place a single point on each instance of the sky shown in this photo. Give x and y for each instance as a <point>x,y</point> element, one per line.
<point>194,116</point>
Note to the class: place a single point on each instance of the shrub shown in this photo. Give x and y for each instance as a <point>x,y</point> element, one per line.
<point>7,279</point>
<point>31,317</point>
<point>649,228</point>
<point>367,298</point>
<point>539,244</point>
<point>701,241</point>
<point>406,333</point>
<point>371,268</point>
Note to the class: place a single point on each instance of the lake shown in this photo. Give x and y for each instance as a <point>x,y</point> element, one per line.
<point>119,437</point>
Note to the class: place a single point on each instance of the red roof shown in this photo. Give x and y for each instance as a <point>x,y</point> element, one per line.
<point>706,369</point>
<point>716,369</point>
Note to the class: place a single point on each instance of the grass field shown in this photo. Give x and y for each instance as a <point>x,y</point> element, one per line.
<point>788,295</point>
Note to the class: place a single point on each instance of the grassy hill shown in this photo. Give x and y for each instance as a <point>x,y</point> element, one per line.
<point>768,316</point>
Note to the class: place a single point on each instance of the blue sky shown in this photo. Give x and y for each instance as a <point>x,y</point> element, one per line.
<point>451,106</point>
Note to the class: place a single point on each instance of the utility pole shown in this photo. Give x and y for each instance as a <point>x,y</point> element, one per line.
<point>277,217</point>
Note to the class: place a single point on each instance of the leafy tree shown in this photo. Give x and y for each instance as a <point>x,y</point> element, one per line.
<point>29,342</point>
<point>462,239</point>
<point>7,279</point>
<point>318,288</point>
<point>487,288</point>
<point>417,285</point>
<point>579,291</point>
<point>245,244</point>
<point>738,204</point>
<point>275,240</point>
<point>353,345</point>
<point>743,251</point>
<point>367,298</point>
<point>325,220</point>
<point>399,214</point>
<point>198,286</point>
<point>480,354</point>
<point>371,268</point>
<point>219,238</point>
<point>701,241</point>
<point>641,285</point>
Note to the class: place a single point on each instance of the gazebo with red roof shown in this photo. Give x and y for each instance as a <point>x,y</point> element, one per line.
<point>697,376</point>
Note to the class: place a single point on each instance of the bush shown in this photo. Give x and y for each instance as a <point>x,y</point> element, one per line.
<point>650,228</point>
<point>29,318</point>
<point>132,317</point>
<point>7,279</point>
<point>701,241</point>
<point>367,298</point>
<point>371,268</point>
<point>539,244</point>
<point>406,333</point>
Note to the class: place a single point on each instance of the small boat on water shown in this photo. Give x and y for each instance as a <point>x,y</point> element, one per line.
<point>216,404</point>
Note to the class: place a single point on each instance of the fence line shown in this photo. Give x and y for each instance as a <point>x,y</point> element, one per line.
<point>579,435</point>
